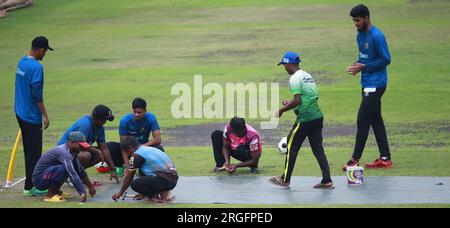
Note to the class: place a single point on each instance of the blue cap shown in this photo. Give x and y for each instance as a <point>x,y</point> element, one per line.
<point>290,58</point>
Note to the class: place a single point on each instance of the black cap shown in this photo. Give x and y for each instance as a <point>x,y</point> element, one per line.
<point>41,42</point>
<point>102,112</point>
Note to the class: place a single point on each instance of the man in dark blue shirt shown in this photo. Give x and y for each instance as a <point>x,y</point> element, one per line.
<point>139,124</point>
<point>30,109</point>
<point>373,59</point>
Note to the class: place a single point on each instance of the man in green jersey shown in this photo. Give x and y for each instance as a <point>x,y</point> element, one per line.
<point>309,122</point>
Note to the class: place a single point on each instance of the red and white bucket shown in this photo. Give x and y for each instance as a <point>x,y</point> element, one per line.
<point>102,167</point>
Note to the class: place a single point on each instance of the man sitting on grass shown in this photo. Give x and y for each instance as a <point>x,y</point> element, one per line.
<point>157,171</point>
<point>240,141</point>
<point>59,164</point>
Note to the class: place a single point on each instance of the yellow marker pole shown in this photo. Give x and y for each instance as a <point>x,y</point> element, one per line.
<point>10,176</point>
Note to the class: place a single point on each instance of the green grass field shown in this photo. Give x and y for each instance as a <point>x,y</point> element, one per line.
<point>112,51</point>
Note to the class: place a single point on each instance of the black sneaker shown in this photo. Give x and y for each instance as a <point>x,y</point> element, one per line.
<point>254,170</point>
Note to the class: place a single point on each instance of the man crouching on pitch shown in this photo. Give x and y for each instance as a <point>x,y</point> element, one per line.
<point>158,174</point>
<point>309,122</point>
<point>59,164</point>
<point>240,141</point>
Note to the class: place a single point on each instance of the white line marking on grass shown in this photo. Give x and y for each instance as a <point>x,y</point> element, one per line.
<point>12,185</point>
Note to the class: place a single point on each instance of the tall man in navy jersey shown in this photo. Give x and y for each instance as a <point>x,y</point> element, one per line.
<point>30,109</point>
<point>139,124</point>
<point>373,59</point>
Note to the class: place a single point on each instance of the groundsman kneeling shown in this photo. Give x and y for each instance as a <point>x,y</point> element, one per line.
<point>158,174</point>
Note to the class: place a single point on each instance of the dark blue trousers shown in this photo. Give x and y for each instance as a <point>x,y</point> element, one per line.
<point>53,177</point>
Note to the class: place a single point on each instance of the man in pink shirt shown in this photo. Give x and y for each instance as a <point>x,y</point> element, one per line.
<point>240,141</point>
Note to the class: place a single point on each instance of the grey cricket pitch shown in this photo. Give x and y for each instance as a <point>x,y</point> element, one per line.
<point>257,190</point>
